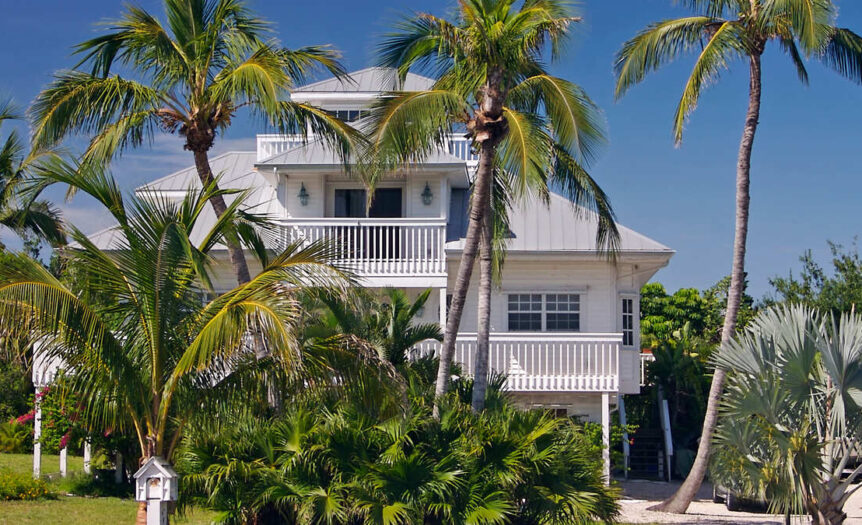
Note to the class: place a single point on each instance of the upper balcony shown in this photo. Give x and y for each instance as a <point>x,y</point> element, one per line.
<point>384,252</point>
<point>270,145</point>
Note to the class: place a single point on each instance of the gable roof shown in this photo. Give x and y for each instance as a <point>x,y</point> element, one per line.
<point>233,167</point>
<point>369,80</point>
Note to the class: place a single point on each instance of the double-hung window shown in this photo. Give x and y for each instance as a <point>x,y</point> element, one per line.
<point>552,312</point>
<point>628,321</point>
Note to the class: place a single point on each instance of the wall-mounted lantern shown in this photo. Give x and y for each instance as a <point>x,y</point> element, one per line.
<point>427,196</point>
<point>303,195</point>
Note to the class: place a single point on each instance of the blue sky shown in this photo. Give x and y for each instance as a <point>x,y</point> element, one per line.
<point>806,174</point>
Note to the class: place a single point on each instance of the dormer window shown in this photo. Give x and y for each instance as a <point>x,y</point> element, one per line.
<point>349,115</point>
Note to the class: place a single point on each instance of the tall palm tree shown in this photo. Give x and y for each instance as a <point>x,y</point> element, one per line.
<point>722,32</point>
<point>191,77</point>
<point>529,128</point>
<point>142,348</point>
<point>22,215</point>
<point>792,414</point>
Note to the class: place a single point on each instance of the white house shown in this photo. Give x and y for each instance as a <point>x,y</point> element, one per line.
<point>565,318</point>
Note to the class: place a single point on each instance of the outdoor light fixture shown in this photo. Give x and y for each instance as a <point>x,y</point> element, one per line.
<point>303,195</point>
<point>427,196</point>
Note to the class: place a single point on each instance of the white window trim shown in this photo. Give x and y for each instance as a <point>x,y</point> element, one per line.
<point>544,311</point>
<point>635,298</point>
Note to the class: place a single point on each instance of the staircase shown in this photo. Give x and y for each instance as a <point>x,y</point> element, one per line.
<point>646,455</point>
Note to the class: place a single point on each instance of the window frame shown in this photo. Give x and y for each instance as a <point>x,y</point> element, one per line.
<point>635,317</point>
<point>543,310</point>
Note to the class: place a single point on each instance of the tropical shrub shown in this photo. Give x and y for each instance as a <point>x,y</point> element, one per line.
<point>15,438</point>
<point>338,465</point>
<point>15,486</point>
<point>791,413</point>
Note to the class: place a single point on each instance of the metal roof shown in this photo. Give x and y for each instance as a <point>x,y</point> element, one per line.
<point>369,80</point>
<point>233,167</point>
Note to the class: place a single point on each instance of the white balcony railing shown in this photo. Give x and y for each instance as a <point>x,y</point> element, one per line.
<point>269,145</point>
<point>377,247</point>
<point>545,362</point>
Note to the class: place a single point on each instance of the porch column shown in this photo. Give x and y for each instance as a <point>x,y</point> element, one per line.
<point>606,437</point>
<point>64,461</point>
<point>37,435</point>
<point>118,469</point>
<point>87,456</point>
<point>443,293</point>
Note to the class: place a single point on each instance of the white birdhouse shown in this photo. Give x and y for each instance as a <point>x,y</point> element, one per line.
<point>156,480</point>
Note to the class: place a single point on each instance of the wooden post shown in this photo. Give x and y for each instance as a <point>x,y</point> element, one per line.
<point>118,469</point>
<point>87,456</point>
<point>64,462</point>
<point>37,435</point>
<point>443,308</point>
<point>606,437</point>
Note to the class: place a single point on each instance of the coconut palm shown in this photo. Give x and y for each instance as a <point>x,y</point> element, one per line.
<point>531,130</point>
<point>24,216</point>
<point>724,31</point>
<point>791,414</point>
<point>142,349</point>
<point>190,76</point>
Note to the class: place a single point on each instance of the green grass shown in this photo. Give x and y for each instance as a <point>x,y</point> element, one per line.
<point>23,463</point>
<point>73,510</point>
<point>84,511</point>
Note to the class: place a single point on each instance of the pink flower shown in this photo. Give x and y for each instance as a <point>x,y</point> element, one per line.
<point>26,418</point>
<point>64,440</point>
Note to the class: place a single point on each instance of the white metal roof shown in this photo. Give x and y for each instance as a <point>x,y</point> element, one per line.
<point>316,153</point>
<point>369,80</point>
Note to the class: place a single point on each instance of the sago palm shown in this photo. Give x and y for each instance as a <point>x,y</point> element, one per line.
<point>722,32</point>
<point>142,349</point>
<point>190,76</point>
<point>22,215</point>
<point>533,132</point>
<point>790,431</point>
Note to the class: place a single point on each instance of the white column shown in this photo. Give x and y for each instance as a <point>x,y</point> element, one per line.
<point>443,308</point>
<point>64,461</point>
<point>606,437</point>
<point>37,435</point>
<point>87,456</point>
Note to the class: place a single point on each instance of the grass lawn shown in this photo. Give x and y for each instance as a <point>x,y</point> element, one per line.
<point>72,510</point>
<point>83,511</point>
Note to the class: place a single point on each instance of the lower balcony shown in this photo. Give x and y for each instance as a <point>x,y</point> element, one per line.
<point>545,362</point>
<point>378,248</point>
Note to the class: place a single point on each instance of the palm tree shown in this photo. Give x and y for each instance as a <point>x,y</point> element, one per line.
<point>143,350</point>
<point>532,131</point>
<point>195,73</point>
<point>724,31</point>
<point>26,217</point>
<point>791,413</point>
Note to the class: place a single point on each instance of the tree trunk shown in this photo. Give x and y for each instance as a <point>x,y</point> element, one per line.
<point>483,348</point>
<point>480,195</point>
<point>679,502</point>
<point>237,257</point>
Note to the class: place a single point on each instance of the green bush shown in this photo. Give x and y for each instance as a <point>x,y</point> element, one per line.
<point>22,487</point>
<point>15,438</point>
<point>81,484</point>
<point>337,465</point>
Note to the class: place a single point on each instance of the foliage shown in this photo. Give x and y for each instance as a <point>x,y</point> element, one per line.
<point>386,320</point>
<point>16,486</point>
<point>791,413</point>
<point>16,389</point>
<point>338,463</point>
<point>147,352</point>
<point>593,434</point>
<point>838,293</point>
<point>15,438</point>
<point>89,485</point>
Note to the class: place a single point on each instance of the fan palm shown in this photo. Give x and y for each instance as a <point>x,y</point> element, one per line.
<point>24,216</point>
<point>791,414</point>
<point>191,77</point>
<point>143,350</point>
<point>724,31</point>
<point>531,130</point>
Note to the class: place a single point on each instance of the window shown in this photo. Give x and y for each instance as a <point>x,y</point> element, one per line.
<point>553,312</point>
<point>349,115</point>
<point>628,321</point>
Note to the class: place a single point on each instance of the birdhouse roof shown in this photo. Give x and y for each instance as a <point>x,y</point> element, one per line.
<point>156,465</point>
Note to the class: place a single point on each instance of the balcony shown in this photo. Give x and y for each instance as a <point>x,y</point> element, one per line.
<point>378,248</point>
<point>269,145</point>
<point>545,362</point>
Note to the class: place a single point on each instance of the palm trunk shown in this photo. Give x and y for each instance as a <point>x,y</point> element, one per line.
<point>481,194</point>
<point>679,502</point>
<point>237,257</point>
<point>483,348</point>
